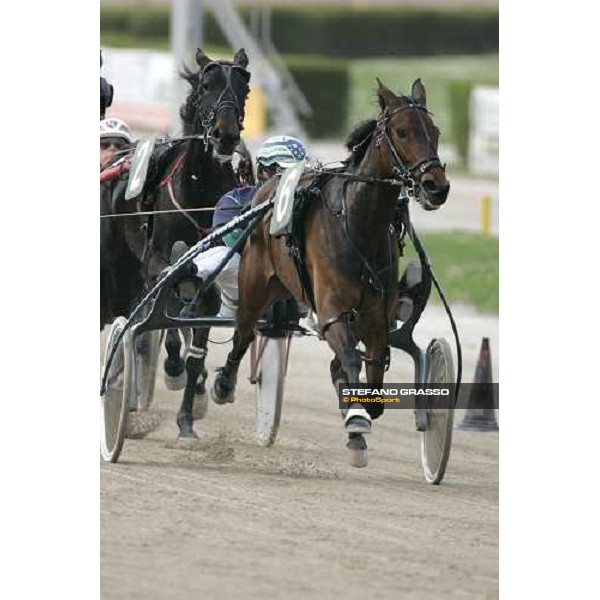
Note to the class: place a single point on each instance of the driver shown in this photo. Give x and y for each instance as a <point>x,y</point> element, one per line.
<point>115,136</point>
<point>277,153</point>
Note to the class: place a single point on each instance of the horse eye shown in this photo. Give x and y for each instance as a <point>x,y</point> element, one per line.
<point>204,85</point>
<point>401,133</point>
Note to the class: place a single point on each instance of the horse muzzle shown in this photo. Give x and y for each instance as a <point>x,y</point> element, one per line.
<point>222,159</point>
<point>434,192</point>
<point>225,136</point>
<point>224,147</point>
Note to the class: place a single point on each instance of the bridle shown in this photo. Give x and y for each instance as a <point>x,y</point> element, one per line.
<point>409,175</point>
<point>227,99</point>
<point>406,178</point>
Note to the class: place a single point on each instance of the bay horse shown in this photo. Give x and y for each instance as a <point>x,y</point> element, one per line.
<point>189,173</point>
<point>348,249</point>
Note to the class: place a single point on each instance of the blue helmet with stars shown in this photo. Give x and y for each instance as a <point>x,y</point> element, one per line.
<point>282,150</point>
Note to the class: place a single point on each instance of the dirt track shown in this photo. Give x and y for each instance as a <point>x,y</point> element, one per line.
<point>226,518</point>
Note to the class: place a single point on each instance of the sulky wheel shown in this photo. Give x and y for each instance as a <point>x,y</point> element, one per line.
<point>148,349</point>
<point>119,389</point>
<point>437,437</point>
<point>270,379</point>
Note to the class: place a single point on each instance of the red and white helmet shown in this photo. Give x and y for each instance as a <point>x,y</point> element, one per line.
<point>115,128</point>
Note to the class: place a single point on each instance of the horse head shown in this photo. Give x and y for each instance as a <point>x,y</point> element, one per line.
<point>215,105</point>
<point>411,141</point>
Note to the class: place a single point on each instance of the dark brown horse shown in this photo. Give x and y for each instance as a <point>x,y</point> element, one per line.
<point>349,249</point>
<point>192,173</point>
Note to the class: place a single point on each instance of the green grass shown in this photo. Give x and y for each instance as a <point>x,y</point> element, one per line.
<point>466,265</point>
<point>398,74</point>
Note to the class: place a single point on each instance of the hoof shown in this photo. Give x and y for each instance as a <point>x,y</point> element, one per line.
<point>358,454</point>
<point>222,391</point>
<point>357,420</point>
<point>186,428</point>
<point>200,406</point>
<point>358,425</point>
<point>175,375</point>
<point>140,424</point>
<point>175,383</point>
<point>217,398</point>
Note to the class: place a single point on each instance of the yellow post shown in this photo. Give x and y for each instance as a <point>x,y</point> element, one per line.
<point>486,204</point>
<point>255,121</point>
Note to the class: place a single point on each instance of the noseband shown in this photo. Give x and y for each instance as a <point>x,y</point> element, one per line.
<point>223,102</point>
<point>410,175</point>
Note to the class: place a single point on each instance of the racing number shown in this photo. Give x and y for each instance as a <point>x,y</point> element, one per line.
<point>286,195</point>
<point>140,160</point>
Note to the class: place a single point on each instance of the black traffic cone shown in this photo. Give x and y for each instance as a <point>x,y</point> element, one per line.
<point>480,414</point>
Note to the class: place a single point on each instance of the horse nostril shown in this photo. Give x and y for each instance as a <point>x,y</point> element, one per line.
<point>216,133</point>
<point>429,185</point>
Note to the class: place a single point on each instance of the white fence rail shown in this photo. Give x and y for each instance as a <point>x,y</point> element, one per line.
<point>484,131</point>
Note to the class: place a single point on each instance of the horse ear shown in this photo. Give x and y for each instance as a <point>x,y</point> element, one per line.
<point>418,92</point>
<point>241,58</point>
<point>384,95</point>
<point>201,59</point>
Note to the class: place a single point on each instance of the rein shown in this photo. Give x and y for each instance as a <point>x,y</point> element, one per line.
<point>403,175</point>
<point>320,170</point>
<point>168,183</point>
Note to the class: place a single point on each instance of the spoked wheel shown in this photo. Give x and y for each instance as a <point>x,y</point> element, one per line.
<point>119,389</point>
<point>272,354</point>
<point>145,377</point>
<point>437,437</point>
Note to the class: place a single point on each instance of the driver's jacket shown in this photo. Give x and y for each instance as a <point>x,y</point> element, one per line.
<point>229,206</point>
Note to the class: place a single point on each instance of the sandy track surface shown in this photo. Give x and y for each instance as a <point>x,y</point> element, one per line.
<point>225,518</point>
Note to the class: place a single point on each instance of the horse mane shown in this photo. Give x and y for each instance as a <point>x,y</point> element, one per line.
<point>187,111</point>
<point>358,141</point>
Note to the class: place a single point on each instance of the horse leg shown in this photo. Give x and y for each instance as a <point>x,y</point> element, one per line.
<point>376,346</point>
<point>174,365</point>
<point>345,368</point>
<point>256,295</point>
<point>195,390</point>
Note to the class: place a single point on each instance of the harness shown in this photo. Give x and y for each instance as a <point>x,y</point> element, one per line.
<point>168,183</point>
<point>295,239</point>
